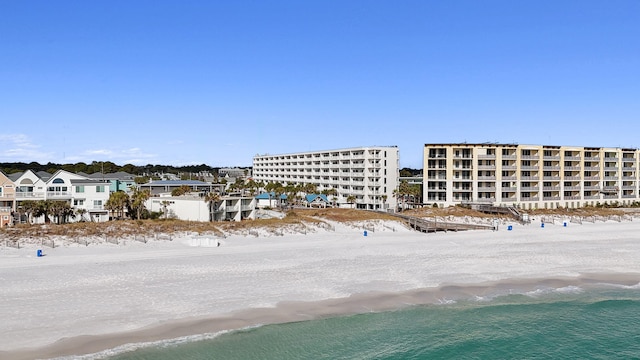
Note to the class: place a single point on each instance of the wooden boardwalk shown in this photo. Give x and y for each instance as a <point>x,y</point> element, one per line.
<point>432,225</point>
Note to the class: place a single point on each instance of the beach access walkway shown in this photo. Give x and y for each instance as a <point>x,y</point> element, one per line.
<point>433,225</point>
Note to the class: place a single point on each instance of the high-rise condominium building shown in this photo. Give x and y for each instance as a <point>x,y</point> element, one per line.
<point>530,176</point>
<point>367,175</point>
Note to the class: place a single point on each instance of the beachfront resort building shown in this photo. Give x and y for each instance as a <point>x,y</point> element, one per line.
<point>364,177</point>
<point>530,176</point>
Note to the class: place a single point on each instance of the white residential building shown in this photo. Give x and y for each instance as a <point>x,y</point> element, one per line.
<point>194,208</point>
<point>370,174</point>
<point>530,176</point>
<point>77,190</point>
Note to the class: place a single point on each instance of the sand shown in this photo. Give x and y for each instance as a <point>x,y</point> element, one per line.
<point>85,299</point>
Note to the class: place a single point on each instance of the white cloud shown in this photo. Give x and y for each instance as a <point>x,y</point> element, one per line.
<point>18,147</point>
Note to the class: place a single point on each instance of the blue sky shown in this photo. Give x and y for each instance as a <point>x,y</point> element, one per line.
<point>217,82</point>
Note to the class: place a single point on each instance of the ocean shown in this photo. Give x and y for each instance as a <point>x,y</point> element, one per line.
<point>563,323</point>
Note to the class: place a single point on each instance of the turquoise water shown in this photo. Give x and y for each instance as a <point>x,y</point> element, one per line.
<point>575,324</point>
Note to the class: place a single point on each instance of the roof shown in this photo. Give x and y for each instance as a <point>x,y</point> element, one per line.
<point>266,196</point>
<point>313,197</point>
<point>120,175</point>
<point>14,176</point>
<point>176,183</point>
<point>88,181</point>
<point>43,175</point>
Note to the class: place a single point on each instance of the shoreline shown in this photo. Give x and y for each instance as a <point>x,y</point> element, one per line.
<point>296,311</point>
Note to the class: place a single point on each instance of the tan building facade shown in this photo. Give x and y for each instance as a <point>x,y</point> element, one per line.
<point>7,200</point>
<point>530,176</point>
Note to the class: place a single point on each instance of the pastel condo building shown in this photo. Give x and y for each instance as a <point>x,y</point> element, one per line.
<point>530,176</point>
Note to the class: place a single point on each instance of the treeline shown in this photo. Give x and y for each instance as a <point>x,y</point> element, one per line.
<point>104,166</point>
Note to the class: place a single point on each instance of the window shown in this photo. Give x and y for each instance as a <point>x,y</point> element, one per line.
<point>78,202</point>
<point>80,188</point>
<point>58,181</point>
<point>97,203</point>
<point>0,191</point>
<point>100,188</point>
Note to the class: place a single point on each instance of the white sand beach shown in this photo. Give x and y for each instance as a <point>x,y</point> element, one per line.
<point>85,299</point>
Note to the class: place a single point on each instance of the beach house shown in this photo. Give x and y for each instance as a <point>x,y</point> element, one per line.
<point>7,200</point>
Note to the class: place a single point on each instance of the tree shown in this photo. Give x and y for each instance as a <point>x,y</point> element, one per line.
<point>61,211</point>
<point>165,204</point>
<point>212,198</point>
<point>117,203</point>
<point>138,198</point>
<point>179,191</point>
<point>351,200</point>
<point>81,212</point>
<point>403,192</point>
<point>252,186</point>
<point>331,192</point>
<point>29,208</point>
<point>277,189</point>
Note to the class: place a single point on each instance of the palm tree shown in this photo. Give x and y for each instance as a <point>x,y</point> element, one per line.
<point>212,198</point>
<point>29,207</point>
<point>331,192</point>
<point>179,191</point>
<point>81,212</point>
<point>138,199</point>
<point>117,202</point>
<point>277,189</point>
<point>351,200</point>
<point>165,204</point>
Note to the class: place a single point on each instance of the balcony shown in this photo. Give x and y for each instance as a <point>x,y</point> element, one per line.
<point>572,188</point>
<point>592,188</point>
<point>534,198</point>
<point>551,158</point>
<point>592,197</point>
<point>512,177</point>
<point>5,209</point>
<point>529,188</point>
<point>509,157</point>
<point>572,178</point>
<point>592,177</point>
<point>550,198</point>
<point>592,158</point>
<point>486,177</point>
<point>552,178</point>
<point>486,167</point>
<point>529,167</point>
<point>29,195</point>
<point>528,157</point>
<point>58,194</point>
<point>509,189</point>
<point>487,189</point>
<point>551,188</point>
<point>509,167</point>
<point>487,200</point>
<point>610,196</point>
<point>572,168</point>
<point>486,157</point>
<point>529,178</point>
<point>551,168</point>
<point>572,158</point>
<point>572,197</point>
